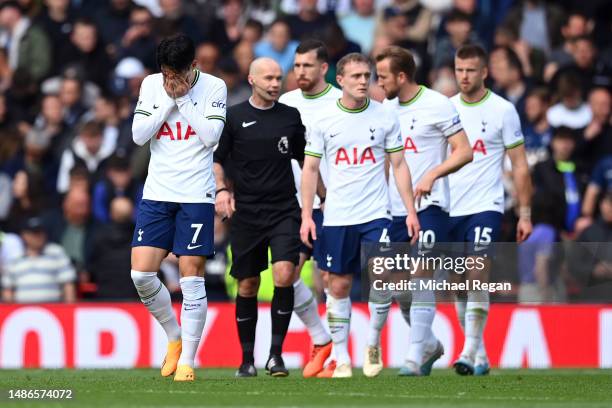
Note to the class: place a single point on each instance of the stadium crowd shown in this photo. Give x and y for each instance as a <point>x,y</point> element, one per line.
<point>70,73</point>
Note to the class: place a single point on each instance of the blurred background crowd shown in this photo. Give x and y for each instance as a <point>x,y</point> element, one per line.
<point>70,72</point>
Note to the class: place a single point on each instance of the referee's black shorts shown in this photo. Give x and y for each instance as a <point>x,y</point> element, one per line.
<point>257,227</point>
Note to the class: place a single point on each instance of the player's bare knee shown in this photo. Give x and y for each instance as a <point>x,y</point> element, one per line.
<point>191,265</point>
<point>248,287</point>
<point>147,259</point>
<point>339,286</point>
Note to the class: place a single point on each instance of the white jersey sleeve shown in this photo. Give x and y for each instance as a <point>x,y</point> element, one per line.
<point>152,110</point>
<point>511,130</point>
<point>449,123</point>
<point>208,126</point>
<point>393,138</point>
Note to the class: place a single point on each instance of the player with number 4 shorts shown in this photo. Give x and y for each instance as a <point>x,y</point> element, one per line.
<point>477,193</point>
<point>353,135</point>
<point>429,125</point>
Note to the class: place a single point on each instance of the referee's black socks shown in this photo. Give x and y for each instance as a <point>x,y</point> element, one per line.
<point>246,321</point>
<point>282,309</point>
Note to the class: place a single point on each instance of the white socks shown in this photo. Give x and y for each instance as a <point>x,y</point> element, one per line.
<point>339,319</point>
<point>379,306</point>
<point>155,296</point>
<point>193,316</point>
<point>422,313</point>
<point>305,306</point>
<point>476,313</point>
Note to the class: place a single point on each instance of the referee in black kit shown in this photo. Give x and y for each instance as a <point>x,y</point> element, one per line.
<point>260,138</point>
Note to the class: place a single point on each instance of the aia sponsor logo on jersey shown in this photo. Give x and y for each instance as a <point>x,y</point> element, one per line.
<point>410,145</point>
<point>166,131</point>
<point>479,147</point>
<point>355,156</point>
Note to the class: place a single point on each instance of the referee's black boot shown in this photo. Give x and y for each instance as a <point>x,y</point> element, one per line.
<point>276,366</point>
<point>246,370</point>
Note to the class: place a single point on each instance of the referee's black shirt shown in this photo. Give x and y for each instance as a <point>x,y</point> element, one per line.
<point>259,144</point>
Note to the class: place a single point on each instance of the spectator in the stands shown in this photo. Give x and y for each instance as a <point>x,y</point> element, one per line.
<point>598,133</point>
<point>560,178</point>
<point>360,24</point>
<point>536,128</point>
<point>278,45</point>
<point>27,45</point>
<point>571,111</point>
<point>72,226</point>
<point>600,183</point>
<point>175,20</point>
<point>57,20</point>
<point>308,21</point>
<point>459,29</point>
<point>207,57</point>
<point>508,80</point>
<point>43,273</point>
<point>113,19</point>
<point>238,89</point>
<point>118,182</point>
<point>592,260</point>
<point>139,40</point>
<point>51,122</point>
<point>226,32</point>
<point>86,51</point>
<point>90,149</point>
<point>71,96</point>
<point>109,264</point>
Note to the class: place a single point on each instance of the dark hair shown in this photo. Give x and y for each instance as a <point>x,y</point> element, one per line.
<point>457,16</point>
<point>251,22</point>
<point>541,93</point>
<point>11,4</point>
<point>586,38</point>
<point>91,128</point>
<point>118,162</point>
<point>468,51</point>
<point>514,62</point>
<point>176,53</point>
<point>313,45</point>
<point>400,60</point>
<point>351,57</point>
<point>86,21</point>
<point>569,84</point>
<point>564,132</point>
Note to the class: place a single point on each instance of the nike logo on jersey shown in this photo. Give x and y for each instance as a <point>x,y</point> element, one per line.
<point>155,106</point>
<point>193,246</point>
<point>243,319</point>
<point>247,124</point>
<point>280,312</point>
<point>334,134</point>
<point>195,104</point>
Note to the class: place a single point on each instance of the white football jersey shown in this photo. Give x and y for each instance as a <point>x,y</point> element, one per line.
<point>309,107</point>
<point>180,168</point>
<point>492,125</point>
<point>354,143</point>
<point>426,121</point>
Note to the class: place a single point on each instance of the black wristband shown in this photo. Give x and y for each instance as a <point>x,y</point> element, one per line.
<point>220,190</point>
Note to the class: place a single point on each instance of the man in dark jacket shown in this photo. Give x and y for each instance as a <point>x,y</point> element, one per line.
<point>109,264</point>
<point>560,178</point>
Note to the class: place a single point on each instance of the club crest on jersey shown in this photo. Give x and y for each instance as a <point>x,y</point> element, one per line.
<point>283,145</point>
<point>166,130</point>
<point>372,131</point>
<point>354,156</point>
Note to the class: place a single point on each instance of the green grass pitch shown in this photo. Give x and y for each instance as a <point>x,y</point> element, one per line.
<point>218,387</point>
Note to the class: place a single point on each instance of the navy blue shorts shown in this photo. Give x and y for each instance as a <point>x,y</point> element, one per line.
<point>317,245</point>
<point>343,244</point>
<point>434,224</point>
<point>478,230</point>
<point>183,228</point>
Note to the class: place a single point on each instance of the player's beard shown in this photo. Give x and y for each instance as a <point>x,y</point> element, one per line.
<point>307,85</point>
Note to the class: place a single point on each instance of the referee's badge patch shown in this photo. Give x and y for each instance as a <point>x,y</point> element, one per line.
<point>283,145</point>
